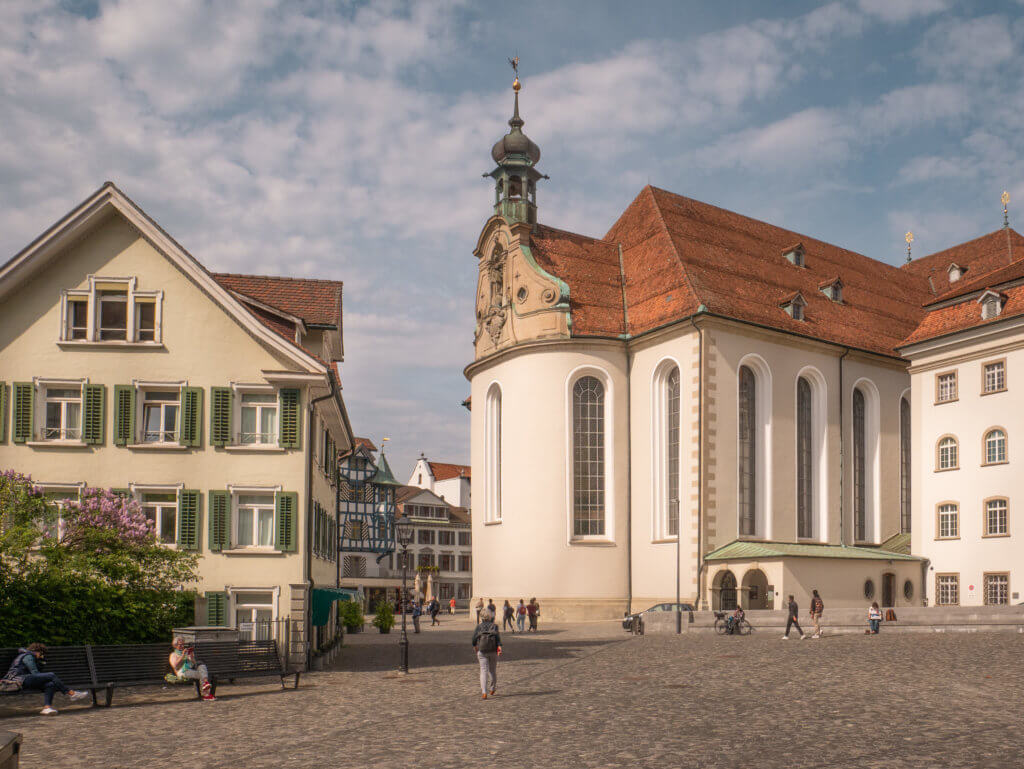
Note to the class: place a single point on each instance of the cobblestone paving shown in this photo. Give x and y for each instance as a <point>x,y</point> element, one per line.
<point>578,696</point>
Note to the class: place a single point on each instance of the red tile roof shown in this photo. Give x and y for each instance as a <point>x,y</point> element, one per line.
<point>679,254</point>
<point>442,471</point>
<point>317,302</point>
<point>968,285</point>
<point>979,256</point>
<point>364,443</point>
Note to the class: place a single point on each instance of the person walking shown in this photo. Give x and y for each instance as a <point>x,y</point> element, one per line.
<point>487,645</point>
<point>25,674</point>
<point>791,620</point>
<point>417,611</point>
<point>492,609</point>
<point>509,617</point>
<point>817,607</point>
<point>533,611</point>
<point>435,609</point>
<point>521,615</point>
<point>451,606</point>
<point>479,608</point>
<point>874,618</point>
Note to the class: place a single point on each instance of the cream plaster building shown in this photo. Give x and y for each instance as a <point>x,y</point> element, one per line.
<point>212,399</point>
<point>965,358</point>
<point>695,404</point>
<point>449,481</point>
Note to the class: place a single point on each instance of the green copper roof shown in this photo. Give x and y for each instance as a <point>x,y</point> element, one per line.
<point>384,476</point>
<point>740,549</point>
<point>897,543</point>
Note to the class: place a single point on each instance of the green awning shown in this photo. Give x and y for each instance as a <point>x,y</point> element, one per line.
<point>323,597</point>
<point>739,549</point>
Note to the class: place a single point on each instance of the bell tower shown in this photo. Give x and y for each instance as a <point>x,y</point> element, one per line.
<point>516,175</point>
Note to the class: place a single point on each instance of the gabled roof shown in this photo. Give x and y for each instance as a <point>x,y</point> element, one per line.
<point>363,443</point>
<point>442,471</point>
<point>316,302</point>
<point>978,256</point>
<point>739,549</point>
<point>681,257</point>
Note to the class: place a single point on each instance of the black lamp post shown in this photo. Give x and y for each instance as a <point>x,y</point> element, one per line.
<point>403,533</point>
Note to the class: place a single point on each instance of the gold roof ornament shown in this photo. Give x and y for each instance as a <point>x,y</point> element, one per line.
<point>909,237</point>
<point>514,62</point>
<point>1005,197</point>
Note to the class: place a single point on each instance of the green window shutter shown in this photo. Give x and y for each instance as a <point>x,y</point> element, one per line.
<point>287,515</point>
<point>290,433</point>
<point>220,520</point>
<point>191,431</point>
<point>220,416</point>
<point>94,399</point>
<point>216,608</point>
<point>188,519</point>
<point>3,412</point>
<point>124,415</point>
<point>122,492</point>
<point>23,411</point>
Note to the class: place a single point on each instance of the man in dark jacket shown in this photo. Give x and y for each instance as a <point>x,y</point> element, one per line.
<point>791,620</point>
<point>487,645</point>
<point>25,671</point>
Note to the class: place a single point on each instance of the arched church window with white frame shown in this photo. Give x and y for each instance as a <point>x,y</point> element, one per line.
<point>748,438</point>
<point>904,465</point>
<point>859,466</point>
<point>665,450</point>
<point>804,460</point>
<point>588,457</point>
<point>672,453</point>
<point>492,455</point>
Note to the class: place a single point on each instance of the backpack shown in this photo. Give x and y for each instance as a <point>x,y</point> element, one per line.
<point>13,678</point>
<point>487,642</point>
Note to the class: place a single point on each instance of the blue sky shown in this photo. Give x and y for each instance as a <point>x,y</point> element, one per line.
<point>347,140</point>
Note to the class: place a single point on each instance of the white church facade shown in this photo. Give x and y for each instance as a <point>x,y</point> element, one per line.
<point>695,404</point>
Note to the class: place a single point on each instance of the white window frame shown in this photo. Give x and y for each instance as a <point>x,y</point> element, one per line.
<point>138,490</point>
<point>91,295</point>
<point>41,385</point>
<point>140,412</point>
<point>236,492</point>
<point>661,509</point>
<point>1004,531</point>
<point>951,516</point>
<point>610,414</point>
<point>947,387</point>
<point>994,373</point>
<point>819,452</point>
<point>48,488</point>
<point>947,583</point>
<point>241,390</point>
<point>233,604</point>
<point>997,443</point>
<point>947,457</point>
<point>764,475</point>
<point>492,453</point>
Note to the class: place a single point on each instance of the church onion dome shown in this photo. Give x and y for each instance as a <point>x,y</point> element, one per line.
<point>515,142</point>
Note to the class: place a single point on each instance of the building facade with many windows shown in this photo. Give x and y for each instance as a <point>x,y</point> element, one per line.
<point>212,399</point>
<point>441,553</point>
<point>965,357</point>
<point>695,403</point>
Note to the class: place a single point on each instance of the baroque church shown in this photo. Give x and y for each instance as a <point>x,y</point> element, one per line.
<point>695,404</point>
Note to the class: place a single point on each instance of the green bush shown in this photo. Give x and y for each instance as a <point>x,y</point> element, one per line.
<point>351,614</point>
<point>385,617</point>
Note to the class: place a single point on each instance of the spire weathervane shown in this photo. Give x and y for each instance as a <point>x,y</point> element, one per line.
<point>909,237</point>
<point>514,62</point>
<point>1006,215</point>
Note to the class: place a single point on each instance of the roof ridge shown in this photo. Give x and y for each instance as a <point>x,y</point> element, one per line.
<point>920,259</point>
<point>672,243</point>
<point>276,277</point>
<point>577,234</point>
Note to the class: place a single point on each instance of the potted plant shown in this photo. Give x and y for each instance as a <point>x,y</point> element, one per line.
<point>385,617</point>
<point>351,616</point>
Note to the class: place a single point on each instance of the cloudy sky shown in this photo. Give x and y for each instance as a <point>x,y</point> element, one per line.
<point>347,140</point>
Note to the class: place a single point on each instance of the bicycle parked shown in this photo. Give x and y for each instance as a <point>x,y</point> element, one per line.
<point>731,625</point>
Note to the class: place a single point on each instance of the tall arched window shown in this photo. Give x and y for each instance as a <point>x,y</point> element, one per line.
<point>588,457</point>
<point>804,461</point>
<point>492,454</point>
<point>860,516</point>
<point>747,429</point>
<point>904,466</point>
<point>672,451</point>
<point>995,447</point>
<point>949,453</point>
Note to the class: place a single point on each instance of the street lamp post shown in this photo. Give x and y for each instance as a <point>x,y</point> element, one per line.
<point>403,533</point>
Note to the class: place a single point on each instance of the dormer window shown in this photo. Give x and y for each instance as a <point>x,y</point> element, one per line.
<point>991,304</point>
<point>955,272</point>
<point>795,254</point>
<point>110,311</point>
<point>833,289</point>
<point>795,307</point>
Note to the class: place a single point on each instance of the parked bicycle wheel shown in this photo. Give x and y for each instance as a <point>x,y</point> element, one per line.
<point>743,628</point>
<point>720,626</point>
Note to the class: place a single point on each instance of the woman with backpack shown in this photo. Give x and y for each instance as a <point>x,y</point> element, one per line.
<point>508,617</point>
<point>487,645</point>
<point>25,675</point>
<point>817,607</point>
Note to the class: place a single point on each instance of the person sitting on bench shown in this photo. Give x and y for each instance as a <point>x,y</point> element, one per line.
<point>185,668</point>
<point>25,671</point>
<point>732,623</point>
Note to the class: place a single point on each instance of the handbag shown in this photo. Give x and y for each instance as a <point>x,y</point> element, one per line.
<point>10,685</point>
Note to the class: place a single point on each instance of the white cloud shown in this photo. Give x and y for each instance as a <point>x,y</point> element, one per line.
<point>898,11</point>
<point>968,47</point>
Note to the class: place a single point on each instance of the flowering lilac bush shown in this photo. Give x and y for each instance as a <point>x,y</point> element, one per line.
<point>100,514</point>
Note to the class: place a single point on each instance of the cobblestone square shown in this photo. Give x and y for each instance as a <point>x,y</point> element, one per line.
<point>577,696</point>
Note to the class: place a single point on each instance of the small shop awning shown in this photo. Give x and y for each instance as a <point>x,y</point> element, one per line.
<point>323,597</point>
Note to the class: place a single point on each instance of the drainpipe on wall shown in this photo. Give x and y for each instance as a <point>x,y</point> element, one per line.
<point>629,444</point>
<point>307,555</point>
<point>842,454</point>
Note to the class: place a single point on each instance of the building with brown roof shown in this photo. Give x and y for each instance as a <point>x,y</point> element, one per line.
<point>691,381</point>
<point>450,482</point>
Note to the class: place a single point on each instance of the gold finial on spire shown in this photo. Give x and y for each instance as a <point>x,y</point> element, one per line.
<point>909,237</point>
<point>514,61</point>
<point>1006,215</point>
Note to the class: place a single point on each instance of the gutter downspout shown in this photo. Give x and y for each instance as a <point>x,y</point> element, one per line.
<point>629,444</point>
<point>700,471</point>
<point>842,453</point>
<point>307,554</point>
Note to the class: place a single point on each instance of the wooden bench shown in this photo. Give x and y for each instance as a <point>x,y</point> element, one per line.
<point>245,659</point>
<point>71,664</point>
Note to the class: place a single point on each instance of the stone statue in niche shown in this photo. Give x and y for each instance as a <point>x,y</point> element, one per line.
<point>495,313</point>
